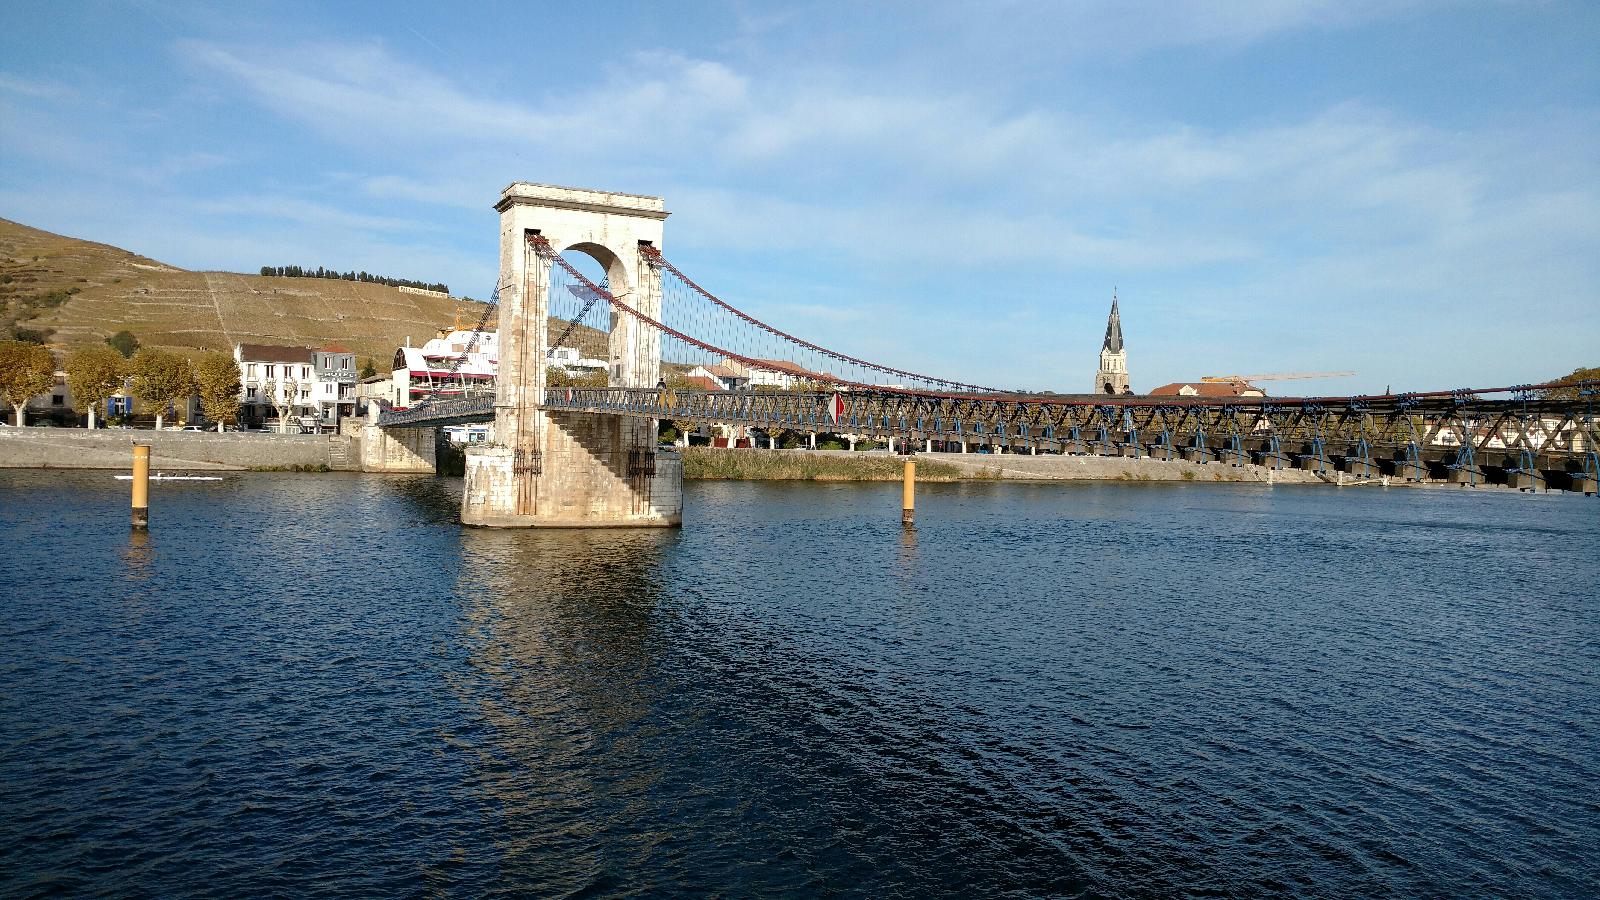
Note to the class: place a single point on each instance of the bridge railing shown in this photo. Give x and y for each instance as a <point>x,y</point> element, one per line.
<point>440,412</point>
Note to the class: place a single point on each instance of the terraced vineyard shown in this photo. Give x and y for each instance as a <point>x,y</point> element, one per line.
<point>73,292</point>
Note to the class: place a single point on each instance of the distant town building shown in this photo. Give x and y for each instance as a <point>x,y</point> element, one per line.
<point>570,361</point>
<point>378,387</point>
<point>55,405</point>
<point>701,382</point>
<point>1208,389</point>
<point>731,375</point>
<point>471,433</point>
<point>1113,375</point>
<point>724,376</point>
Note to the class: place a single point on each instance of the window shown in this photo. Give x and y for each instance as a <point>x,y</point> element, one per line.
<point>250,393</point>
<point>305,371</point>
<point>252,370</point>
<point>57,400</point>
<point>271,370</point>
<point>305,393</point>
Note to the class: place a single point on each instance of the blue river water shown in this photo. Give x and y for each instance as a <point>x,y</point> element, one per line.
<point>323,686</point>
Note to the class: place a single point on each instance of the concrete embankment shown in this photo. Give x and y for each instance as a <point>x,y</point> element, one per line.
<point>80,448</point>
<point>843,465</point>
<point>1019,467</point>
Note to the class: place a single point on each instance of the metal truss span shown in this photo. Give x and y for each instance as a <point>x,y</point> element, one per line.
<point>1460,436</point>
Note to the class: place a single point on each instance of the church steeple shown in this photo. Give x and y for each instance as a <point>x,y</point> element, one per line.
<point>1113,375</point>
<point>1113,327</point>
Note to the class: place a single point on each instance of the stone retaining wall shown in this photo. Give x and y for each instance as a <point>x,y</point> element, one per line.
<point>1049,467</point>
<point>80,448</point>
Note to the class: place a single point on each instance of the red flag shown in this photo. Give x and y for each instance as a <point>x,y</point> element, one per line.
<point>835,408</point>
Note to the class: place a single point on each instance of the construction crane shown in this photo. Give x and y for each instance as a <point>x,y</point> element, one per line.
<point>1279,376</point>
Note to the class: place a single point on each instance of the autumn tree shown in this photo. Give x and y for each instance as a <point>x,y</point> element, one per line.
<point>161,377</point>
<point>216,376</point>
<point>94,372</point>
<point>25,370</point>
<point>123,342</point>
<point>556,376</point>
<point>1580,374</point>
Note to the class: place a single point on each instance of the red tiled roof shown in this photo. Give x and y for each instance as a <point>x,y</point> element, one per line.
<point>1207,389</point>
<point>783,365</point>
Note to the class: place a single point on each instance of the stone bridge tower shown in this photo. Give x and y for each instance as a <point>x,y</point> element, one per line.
<point>556,468</point>
<point>1113,375</point>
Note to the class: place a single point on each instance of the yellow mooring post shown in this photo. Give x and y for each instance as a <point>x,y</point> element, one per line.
<point>141,487</point>
<point>908,495</point>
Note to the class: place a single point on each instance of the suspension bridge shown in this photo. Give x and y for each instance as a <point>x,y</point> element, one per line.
<point>585,451</point>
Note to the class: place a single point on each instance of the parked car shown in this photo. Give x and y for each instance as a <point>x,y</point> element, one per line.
<point>193,428</point>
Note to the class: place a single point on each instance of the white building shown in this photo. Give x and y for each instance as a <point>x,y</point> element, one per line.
<point>318,387</point>
<point>273,377</point>
<point>568,360</point>
<point>423,372</point>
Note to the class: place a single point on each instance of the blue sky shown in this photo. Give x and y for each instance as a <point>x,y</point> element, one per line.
<point>1410,190</point>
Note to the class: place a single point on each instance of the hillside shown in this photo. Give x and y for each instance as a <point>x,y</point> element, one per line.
<point>79,292</point>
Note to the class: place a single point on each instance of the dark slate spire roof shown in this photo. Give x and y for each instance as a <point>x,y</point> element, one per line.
<point>1114,328</point>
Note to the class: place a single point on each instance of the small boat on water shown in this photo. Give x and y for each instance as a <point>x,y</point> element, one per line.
<point>160,476</point>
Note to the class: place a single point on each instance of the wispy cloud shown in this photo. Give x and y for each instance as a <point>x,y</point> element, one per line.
<point>1046,174</point>
<point>868,161</point>
<point>33,87</point>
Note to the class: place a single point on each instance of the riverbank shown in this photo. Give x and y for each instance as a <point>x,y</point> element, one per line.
<point>718,464</point>
<point>78,448</point>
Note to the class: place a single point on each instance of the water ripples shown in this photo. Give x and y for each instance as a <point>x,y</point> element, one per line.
<point>323,685</point>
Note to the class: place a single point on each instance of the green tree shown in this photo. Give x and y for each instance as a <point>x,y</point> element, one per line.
<point>216,376</point>
<point>94,373</point>
<point>25,370</point>
<point>161,377</point>
<point>368,368</point>
<point>1591,375</point>
<point>123,342</point>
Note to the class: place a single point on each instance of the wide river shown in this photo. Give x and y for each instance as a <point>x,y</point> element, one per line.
<point>307,685</point>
